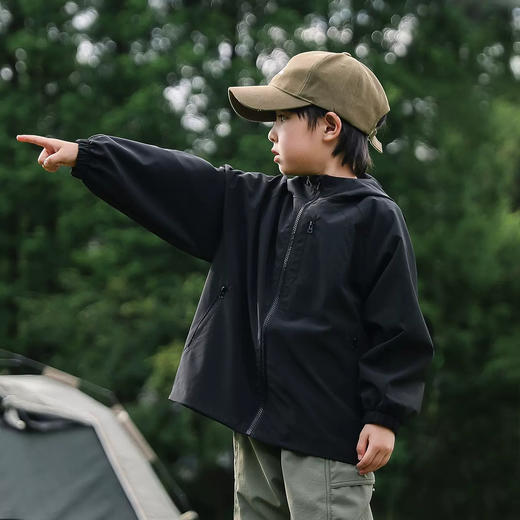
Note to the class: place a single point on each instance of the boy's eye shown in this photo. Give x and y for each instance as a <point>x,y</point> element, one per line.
<point>281,117</point>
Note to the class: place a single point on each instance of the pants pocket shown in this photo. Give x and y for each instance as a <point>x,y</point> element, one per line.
<point>349,493</point>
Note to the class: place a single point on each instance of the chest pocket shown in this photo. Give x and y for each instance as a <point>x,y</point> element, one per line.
<point>315,274</point>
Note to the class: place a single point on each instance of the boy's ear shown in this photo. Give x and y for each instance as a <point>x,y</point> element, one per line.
<point>332,126</point>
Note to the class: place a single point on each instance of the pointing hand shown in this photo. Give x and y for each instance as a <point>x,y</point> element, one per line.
<point>55,152</point>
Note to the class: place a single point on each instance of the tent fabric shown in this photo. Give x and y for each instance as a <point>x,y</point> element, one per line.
<point>82,484</point>
<point>39,394</point>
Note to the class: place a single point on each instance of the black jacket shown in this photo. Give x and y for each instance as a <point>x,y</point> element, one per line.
<point>309,324</point>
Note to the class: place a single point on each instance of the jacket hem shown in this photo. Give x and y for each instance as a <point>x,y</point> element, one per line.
<point>295,447</point>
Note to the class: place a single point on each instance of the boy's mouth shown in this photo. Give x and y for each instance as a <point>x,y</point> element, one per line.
<point>276,154</point>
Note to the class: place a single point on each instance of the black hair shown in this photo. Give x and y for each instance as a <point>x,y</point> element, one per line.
<point>352,142</point>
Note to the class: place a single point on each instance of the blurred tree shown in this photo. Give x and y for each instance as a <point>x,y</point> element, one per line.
<point>84,289</point>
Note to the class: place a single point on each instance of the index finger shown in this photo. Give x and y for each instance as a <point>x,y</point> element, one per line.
<point>34,139</point>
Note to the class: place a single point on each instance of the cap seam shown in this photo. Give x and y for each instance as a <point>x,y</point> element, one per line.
<point>311,70</point>
<point>291,94</point>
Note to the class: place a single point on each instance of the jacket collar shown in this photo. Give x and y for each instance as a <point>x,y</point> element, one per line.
<point>328,185</point>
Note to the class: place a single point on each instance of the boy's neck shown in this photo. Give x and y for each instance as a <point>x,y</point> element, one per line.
<point>334,168</point>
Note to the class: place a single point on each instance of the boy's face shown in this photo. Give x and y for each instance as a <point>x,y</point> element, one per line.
<point>298,149</point>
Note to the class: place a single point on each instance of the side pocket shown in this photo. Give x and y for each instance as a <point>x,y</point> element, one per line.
<point>349,492</point>
<point>207,314</point>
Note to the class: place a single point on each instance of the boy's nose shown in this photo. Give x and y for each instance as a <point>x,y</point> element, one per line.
<point>271,135</point>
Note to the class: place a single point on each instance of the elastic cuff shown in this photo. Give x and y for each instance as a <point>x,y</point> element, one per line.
<point>82,158</point>
<point>375,417</point>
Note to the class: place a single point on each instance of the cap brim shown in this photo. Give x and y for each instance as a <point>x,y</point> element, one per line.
<point>376,143</point>
<point>259,103</point>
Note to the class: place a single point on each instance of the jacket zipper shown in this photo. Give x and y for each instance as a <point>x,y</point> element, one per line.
<point>220,295</point>
<point>261,361</point>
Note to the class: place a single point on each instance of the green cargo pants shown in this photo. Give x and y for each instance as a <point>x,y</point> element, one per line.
<point>278,484</point>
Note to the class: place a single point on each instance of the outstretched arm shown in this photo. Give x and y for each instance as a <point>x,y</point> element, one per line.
<point>176,195</point>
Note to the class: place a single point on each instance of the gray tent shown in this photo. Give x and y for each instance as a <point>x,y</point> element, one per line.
<point>65,455</point>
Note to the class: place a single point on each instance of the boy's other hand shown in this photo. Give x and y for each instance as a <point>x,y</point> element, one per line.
<point>55,152</point>
<point>374,448</point>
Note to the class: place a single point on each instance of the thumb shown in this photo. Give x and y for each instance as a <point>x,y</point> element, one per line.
<point>362,444</point>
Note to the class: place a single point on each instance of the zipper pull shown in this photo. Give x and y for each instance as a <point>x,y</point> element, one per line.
<point>310,227</point>
<point>223,291</point>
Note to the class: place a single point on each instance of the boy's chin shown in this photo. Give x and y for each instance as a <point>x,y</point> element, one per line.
<point>295,173</point>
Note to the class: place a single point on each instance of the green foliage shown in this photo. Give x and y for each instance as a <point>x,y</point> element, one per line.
<point>84,289</point>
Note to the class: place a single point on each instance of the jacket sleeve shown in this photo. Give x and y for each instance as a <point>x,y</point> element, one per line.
<point>177,196</point>
<point>399,349</point>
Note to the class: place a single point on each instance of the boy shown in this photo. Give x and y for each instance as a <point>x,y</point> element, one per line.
<point>308,340</point>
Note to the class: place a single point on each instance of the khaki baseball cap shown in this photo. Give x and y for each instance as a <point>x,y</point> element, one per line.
<point>334,81</point>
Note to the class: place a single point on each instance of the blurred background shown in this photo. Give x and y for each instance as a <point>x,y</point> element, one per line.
<point>86,290</point>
